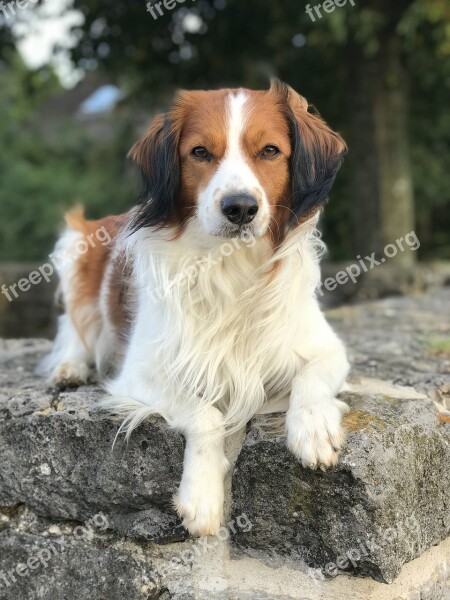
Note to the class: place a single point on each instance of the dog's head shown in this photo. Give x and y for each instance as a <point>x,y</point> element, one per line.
<point>240,161</point>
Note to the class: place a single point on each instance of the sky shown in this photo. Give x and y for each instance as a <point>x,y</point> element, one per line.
<point>103,99</point>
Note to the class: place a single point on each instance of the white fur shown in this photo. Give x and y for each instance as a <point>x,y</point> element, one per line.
<point>233,338</point>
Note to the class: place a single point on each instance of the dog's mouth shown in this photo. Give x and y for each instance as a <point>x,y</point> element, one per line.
<point>238,231</point>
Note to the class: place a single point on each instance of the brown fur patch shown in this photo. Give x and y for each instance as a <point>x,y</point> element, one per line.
<point>267,126</point>
<point>90,265</point>
<point>119,296</point>
<point>201,119</point>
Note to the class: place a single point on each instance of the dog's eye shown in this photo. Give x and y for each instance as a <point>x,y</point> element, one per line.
<point>270,152</point>
<point>201,153</point>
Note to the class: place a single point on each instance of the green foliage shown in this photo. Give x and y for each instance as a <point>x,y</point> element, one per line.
<point>239,43</point>
<point>43,174</point>
<point>244,43</point>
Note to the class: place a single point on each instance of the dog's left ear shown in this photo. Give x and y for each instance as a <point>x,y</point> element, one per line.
<point>157,155</point>
<point>317,152</point>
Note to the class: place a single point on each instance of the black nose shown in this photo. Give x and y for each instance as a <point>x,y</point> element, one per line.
<point>239,208</point>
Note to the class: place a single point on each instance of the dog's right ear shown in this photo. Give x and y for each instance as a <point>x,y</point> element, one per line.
<point>317,152</point>
<point>157,155</point>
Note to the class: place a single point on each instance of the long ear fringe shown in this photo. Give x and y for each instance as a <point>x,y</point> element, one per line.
<point>317,151</point>
<point>314,164</point>
<point>157,155</point>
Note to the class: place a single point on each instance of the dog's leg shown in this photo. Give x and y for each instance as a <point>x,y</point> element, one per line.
<point>69,361</point>
<point>313,421</point>
<point>200,497</point>
<point>201,494</point>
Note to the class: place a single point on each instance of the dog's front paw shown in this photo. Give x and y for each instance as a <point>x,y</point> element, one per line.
<point>315,434</point>
<point>200,507</point>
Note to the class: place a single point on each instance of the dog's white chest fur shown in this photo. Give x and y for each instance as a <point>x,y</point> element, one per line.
<point>223,325</point>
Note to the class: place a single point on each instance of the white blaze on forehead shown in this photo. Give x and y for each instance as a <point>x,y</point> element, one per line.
<point>236,123</point>
<point>234,173</point>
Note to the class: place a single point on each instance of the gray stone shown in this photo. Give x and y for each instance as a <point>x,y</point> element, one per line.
<point>65,570</point>
<point>41,559</point>
<point>79,571</point>
<point>58,471</point>
<point>58,457</point>
<point>402,340</point>
<point>393,478</point>
<point>384,504</point>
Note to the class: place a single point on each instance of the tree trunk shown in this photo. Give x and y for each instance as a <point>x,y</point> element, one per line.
<point>379,151</point>
<point>394,167</point>
<point>363,151</point>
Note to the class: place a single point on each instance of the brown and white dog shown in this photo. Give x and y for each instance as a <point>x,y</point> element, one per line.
<point>205,298</point>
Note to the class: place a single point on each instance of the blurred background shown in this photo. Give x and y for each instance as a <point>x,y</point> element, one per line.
<point>80,81</point>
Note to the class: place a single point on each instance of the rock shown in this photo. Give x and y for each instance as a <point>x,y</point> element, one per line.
<point>58,473</point>
<point>58,458</point>
<point>67,560</point>
<point>384,504</point>
<point>402,340</point>
<point>393,478</point>
<point>76,571</point>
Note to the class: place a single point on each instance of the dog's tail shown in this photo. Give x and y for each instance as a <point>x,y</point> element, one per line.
<point>76,220</point>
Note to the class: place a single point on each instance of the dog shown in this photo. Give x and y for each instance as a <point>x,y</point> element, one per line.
<point>204,301</point>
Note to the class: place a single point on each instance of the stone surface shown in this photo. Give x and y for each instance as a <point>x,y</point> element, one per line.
<point>393,478</point>
<point>75,573</point>
<point>64,561</point>
<point>57,455</point>
<point>101,565</point>
<point>58,472</point>
<point>385,503</point>
<point>402,340</point>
